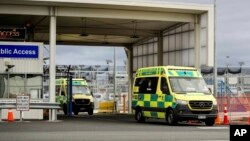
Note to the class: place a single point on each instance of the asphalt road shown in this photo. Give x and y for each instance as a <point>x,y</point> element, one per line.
<point>106,127</point>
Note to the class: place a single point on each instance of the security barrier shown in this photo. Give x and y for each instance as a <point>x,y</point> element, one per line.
<point>238,108</point>
<point>106,107</point>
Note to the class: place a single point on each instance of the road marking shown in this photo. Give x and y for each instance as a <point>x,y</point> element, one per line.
<point>213,128</point>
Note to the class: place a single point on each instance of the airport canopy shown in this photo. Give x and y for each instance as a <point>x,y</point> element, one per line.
<point>97,22</point>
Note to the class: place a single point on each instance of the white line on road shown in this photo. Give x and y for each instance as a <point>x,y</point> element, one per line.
<point>213,128</point>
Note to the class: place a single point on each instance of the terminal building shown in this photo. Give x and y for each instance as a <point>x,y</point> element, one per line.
<point>153,33</point>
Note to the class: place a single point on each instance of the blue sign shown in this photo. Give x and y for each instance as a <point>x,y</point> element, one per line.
<point>19,51</point>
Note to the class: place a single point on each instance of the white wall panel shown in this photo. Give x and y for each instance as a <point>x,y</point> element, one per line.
<point>139,62</point>
<point>178,42</point>
<point>155,47</point>
<point>165,58</point>
<point>185,57</point>
<point>178,58</point>
<point>204,20</point>
<point>191,39</point>
<point>155,60</point>
<point>150,49</point>
<point>178,29</point>
<point>185,40</point>
<point>135,64</point>
<point>172,58</point>
<point>135,51</point>
<point>165,43</point>
<point>191,26</point>
<point>191,57</point>
<point>203,37</point>
<point>185,27</point>
<point>139,50</point>
<point>171,42</point>
<point>203,56</point>
<point>145,61</point>
<point>145,49</point>
<point>151,60</point>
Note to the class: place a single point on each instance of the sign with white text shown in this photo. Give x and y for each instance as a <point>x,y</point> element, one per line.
<point>239,132</point>
<point>19,51</point>
<point>22,103</point>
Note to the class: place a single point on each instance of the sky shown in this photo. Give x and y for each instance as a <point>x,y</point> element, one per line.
<point>232,38</point>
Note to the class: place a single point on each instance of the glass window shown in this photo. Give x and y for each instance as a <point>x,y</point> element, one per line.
<point>188,85</point>
<point>147,85</point>
<point>164,86</point>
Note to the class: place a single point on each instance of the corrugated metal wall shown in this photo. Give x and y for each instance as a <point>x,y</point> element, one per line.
<point>24,65</point>
<point>178,47</point>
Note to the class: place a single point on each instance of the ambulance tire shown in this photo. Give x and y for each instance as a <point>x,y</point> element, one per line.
<point>76,111</point>
<point>171,118</point>
<point>139,116</point>
<point>210,122</point>
<point>65,110</point>
<point>90,111</point>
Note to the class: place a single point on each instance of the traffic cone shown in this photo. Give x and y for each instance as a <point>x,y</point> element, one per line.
<point>225,115</point>
<point>10,117</point>
<point>217,120</point>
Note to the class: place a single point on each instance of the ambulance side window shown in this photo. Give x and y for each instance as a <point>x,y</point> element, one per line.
<point>164,86</point>
<point>147,85</point>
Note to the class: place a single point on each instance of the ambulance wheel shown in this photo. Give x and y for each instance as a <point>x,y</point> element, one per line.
<point>90,111</point>
<point>209,122</point>
<point>139,116</point>
<point>76,111</point>
<point>65,109</point>
<point>171,118</point>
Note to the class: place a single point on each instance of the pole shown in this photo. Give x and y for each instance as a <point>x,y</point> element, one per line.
<point>215,63</point>
<point>70,96</point>
<point>52,56</point>
<point>114,77</point>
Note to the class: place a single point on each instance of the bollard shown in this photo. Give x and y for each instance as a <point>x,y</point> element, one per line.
<point>124,103</point>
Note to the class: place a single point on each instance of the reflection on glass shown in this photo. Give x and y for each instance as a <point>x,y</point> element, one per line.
<point>188,85</point>
<point>80,90</point>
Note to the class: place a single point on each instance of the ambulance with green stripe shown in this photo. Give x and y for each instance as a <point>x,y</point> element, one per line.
<point>82,99</point>
<point>172,93</point>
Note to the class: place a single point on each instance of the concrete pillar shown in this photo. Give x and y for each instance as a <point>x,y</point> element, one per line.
<point>197,48</point>
<point>160,49</point>
<point>52,62</point>
<point>129,51</point>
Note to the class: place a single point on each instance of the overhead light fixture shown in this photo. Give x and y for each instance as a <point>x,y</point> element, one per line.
<point>134,30</point>
<point>84,23</point>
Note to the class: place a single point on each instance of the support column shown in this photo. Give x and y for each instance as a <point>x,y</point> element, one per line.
<point>197,48</point>
<point>52,62</point>
<point>160,49</point>
<point>129,51</point>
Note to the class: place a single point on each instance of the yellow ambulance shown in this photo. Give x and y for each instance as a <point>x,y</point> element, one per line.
<point>172,93</point>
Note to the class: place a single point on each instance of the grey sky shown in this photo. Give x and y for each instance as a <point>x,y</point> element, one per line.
<point>232,38</point>
<point>89,55</point>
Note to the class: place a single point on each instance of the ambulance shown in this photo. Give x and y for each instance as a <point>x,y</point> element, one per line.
<point>82,98</point>
<point>172,93</point>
